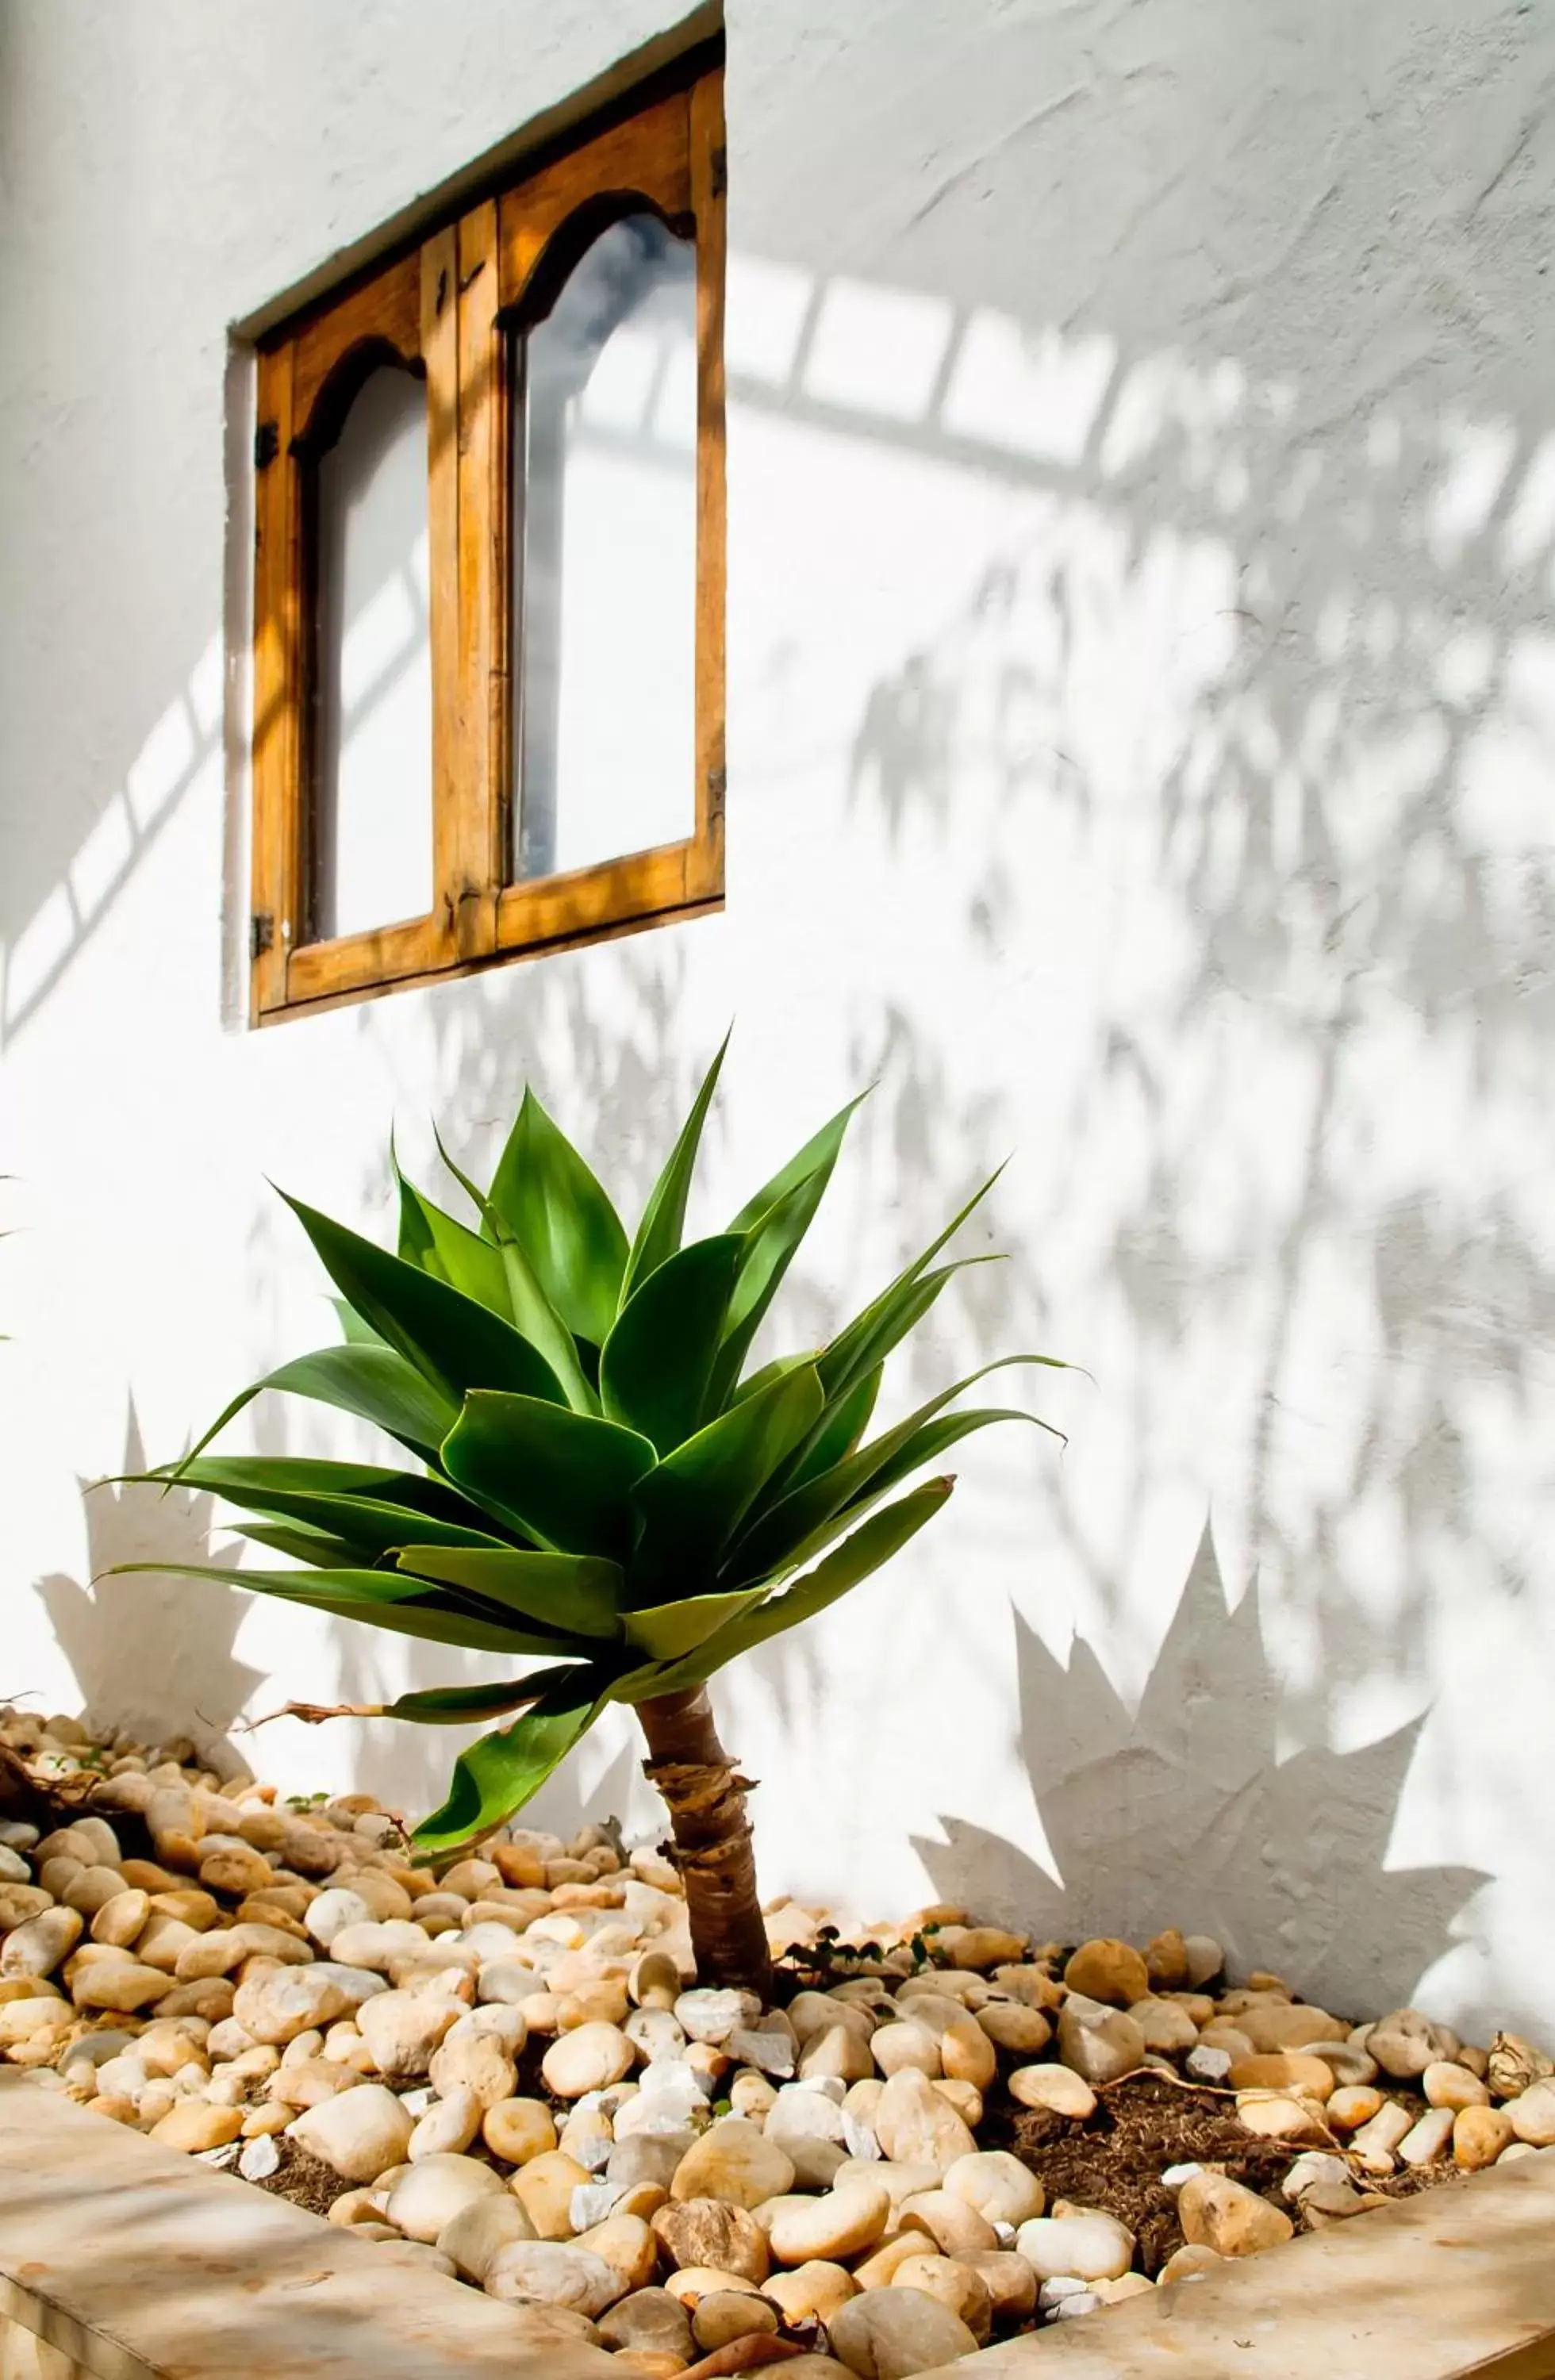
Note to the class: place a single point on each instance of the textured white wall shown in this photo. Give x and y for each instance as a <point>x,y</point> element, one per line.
<point>1142,512</point>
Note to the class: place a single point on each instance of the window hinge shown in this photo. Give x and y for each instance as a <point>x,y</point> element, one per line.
<point>262,933</point>
<point>718,783</point>
<point>267,443</point>
<point>721,173</point>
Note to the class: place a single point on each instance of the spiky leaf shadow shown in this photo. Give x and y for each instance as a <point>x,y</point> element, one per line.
<point>1182,1814</point>
<point>151,1654</point>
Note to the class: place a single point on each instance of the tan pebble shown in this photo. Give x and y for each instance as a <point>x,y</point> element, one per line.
<point>544,2186</point>
<point>1351,2106</point>
<point>1428,2139</point>
<point>1280,2116</point>
<point>850,2219</point>
<point>1276,2024</point>
<point>1286,2070</point>
<point>978,1948</point>
<point>1054,2087</point>
<point>965,2098</point>
<point>1189,2262</point>
<point>960,2288</point>
<point>966,2053</point>
<point>1167,2027</point>
<point>1533,2115</point>
<point>811,2292</point>
<point>1447,2084</point>
<point>627,2245</point>
<point>1125,2284</point>
<point>1166,1961</point>
<point>694,2282</point>
<point>1216,2212</point>
<point>951,2224</point>
<point>193,2126</point>
<point>724,2315</point>
<point>1020,2031</point>
<point>710,2232</point>
<point>519,2130</point>
<point>1479,2134</point>
<point>1108,1971</point>
<point>875,2271</point>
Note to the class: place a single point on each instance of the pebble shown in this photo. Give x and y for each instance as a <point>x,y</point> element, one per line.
<point>277,2007</point>
<point>1216,2212</point>
<point>894,2332</point>
<point>915,2124</point>
<point>1376,2140</point>
<point>519,2130</point>
<point>1108,1971</point>
<point>428,2195</point>
<point>997,2185</point>
<point>360,2134</point>
<point>650,2320</point>
<point>710,2231</point>
<point>1100,2043</point>
<point>1532,2114</point>
<point>850,2219</point>
<point>1479,2136</point>
<point>1094,2246</point>
<point>713,2016</point>
<point>1056,2087</point>
<point>811,2130</point>
<point>403,2029</point>
<point>1405,2043</point>
<point>551,2273</point>
<point>735,2161</point>
<point>473,2237</point>
<point>1429,2139</point>
<point>724,2315</point>
<point>590,2058</point>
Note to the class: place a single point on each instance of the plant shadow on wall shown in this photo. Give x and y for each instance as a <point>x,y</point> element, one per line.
<point>150,1653</point>
<point>1199,1823</point>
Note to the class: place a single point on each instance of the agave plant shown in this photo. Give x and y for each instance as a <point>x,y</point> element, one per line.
<point>596,1482</point>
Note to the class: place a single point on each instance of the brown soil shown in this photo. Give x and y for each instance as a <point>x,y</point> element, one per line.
<point>1142,2125</point>
<point>305,2180</point>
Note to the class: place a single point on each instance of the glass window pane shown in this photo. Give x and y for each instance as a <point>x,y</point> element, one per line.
<point>604,603</point>
<point>372,838</point>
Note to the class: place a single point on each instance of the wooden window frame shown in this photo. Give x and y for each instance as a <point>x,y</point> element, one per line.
<point>448,308</point>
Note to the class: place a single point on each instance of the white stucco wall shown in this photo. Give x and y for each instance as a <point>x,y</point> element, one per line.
<point>1142,510</point>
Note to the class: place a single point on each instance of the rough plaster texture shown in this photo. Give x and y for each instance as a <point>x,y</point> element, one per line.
<point>1142,511</point>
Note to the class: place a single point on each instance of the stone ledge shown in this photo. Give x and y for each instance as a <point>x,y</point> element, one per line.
<point>1458,2281</point>
<point>120,2260</point>
<point>127,2259</point>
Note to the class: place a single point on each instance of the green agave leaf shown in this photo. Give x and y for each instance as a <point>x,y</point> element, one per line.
<point>353,1330</point>
<point>498,1774</point>
<point>383,1598</point>
<point>438,1626</point>
<point>454,1342</point>
<point>235,1477</point>
<point>370,1381</point>
<point>658,1360</point>
<point>352,1587</point>
<point>871,1544</point>
<point>370,1524</point>
<point>664,1217</point>
<point>552,1204</point>
<point>460,1705</point>
<point>543,1327</point>
<point>854,1349</point>
<point>776,1370</point>
<point>562,1478</point>
<point>900,1311</point>
<point>439,1245</point>
<point>844,1423</point>
<point>820,1150</point>
<point>574,1592</point>
<point>314,1547</point>
<point>693,1503</point>
<point>671,1630</point>
<point>774,1222</point>
<point>784,1534</point>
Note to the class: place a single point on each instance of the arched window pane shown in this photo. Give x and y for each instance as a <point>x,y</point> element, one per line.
<point>605,594</point>
<point>373,835</point>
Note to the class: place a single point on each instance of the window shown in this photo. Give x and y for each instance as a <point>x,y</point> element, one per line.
<point>489,580</point>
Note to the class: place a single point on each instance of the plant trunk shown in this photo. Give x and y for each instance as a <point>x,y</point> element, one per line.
<point>711,1838</point>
